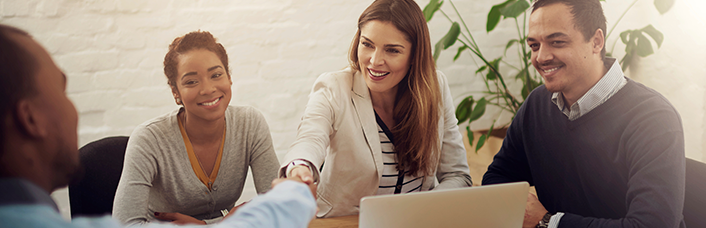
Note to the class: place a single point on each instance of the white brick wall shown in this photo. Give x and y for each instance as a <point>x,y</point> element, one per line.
<point>112,52</point>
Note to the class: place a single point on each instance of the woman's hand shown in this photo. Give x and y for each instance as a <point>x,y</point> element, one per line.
<point>178,218</point>
<point>303,173</point>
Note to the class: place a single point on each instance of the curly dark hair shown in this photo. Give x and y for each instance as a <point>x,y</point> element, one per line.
<point>186,43</point>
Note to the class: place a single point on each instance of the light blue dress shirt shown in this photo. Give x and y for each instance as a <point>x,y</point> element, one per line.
<point>23,204</point>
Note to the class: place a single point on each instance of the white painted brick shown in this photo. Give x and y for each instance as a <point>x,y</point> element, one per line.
<point>134,5</point>
<point>250,54</point>
<point>242,72</point>
<point>92,119</point>
<point>131,117</point>
<point>148,96</point>
<point>152,59</point>
<point>78,82</point>
<point>48,8</point>
<point>130,59</point>
<point>130,41</point>
<point>273,69</point>
<point>88,61</point>
<point>59,44</point>
<point>16,8</point>
<point>285,140</point>
<point>142,22</point>
<point>110,80</point>
<point>35,26</point>
<point>144,78</point>
<point>97,100</point>
<point>84,24</point>
<point>105,7</point>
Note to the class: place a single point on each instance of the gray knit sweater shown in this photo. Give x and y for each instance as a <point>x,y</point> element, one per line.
<point>157,175</point>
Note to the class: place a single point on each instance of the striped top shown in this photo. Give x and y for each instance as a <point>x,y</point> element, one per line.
<point>390,174</point>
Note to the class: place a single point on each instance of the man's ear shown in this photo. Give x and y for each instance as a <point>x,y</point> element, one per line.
<point>28,119</point>
<point>598,41</point>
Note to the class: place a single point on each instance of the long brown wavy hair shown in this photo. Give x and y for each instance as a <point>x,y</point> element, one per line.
<point>417,104</point>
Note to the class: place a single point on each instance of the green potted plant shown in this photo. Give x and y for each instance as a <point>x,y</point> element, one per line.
<point>496,93</point>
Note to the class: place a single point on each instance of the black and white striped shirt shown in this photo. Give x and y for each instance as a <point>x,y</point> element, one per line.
<point>390,174</point>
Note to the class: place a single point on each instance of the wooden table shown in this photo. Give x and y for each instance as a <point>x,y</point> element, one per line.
<point>350,221</point>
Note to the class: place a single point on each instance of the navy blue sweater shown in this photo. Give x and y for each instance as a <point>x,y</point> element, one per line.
<point>620,165</point>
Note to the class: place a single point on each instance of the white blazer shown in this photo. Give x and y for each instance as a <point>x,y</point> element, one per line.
<point>339,127</point>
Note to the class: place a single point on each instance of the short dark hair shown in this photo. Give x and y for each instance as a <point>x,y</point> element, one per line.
<point>17,81</point>
<point>588,16</point>
<point>188,42</point>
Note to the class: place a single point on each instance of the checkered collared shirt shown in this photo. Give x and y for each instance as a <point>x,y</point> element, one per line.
<point>609,84</point>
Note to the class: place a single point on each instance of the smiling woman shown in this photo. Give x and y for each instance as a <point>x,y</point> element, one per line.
<point>384,125</point>
<point>190,165</point>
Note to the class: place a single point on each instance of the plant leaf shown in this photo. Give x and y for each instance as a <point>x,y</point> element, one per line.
<point>431,8</point>
<point>663,5</point>
<point>655,34</point>
<point>494,16</point>
<point>460,50</point>
<point>463,110</point>
<point>490,131</point>
<point>469,135</point>
<point>481,69</point>
<point>481,142</point>
<point>644,46</point>
<point>437,49</point>
<point>525,92</point>
<point>479,110</point>
<point>448,40</point>
<point>492,75</point>
<point>625,61</point>
<point>452,35</point>
<point>624,36</point>
<point>509,44</point>
<point>520,74</point>
<point>515,9</point>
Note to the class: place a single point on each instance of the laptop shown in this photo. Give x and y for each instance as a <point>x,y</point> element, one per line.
<point>498,206</point>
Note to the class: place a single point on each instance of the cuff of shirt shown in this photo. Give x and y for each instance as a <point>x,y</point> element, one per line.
<point>294,164</point>
<point>554,221</point>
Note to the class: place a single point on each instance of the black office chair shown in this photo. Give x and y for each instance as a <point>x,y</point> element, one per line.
<point>695,199</point>
<point>102,160</point>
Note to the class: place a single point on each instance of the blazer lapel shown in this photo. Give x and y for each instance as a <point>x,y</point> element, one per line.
<point>366,117</point>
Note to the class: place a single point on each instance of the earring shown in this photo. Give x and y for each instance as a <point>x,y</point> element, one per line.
<point>178,101</point>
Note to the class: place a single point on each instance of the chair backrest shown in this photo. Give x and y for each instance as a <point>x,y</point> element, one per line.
<point>695,199</point>
<point>102,162</point>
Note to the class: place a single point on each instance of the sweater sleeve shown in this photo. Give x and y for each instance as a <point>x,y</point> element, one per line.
<point>452,171</point>
<point>655,195</point>
<point>510,163</point>
<point>130,205</point>
<point>263,160</point>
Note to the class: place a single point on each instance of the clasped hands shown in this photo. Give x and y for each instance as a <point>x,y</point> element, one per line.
<point>181,219</point>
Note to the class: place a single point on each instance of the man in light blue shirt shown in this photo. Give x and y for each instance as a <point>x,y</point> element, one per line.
<point>39,151</point>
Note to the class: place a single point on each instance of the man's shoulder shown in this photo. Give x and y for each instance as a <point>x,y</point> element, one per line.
<point>539,97</point>
<point>639,96</point>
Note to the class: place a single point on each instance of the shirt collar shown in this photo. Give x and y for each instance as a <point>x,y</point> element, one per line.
<point>606,87</point>
<point>22,191</point>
